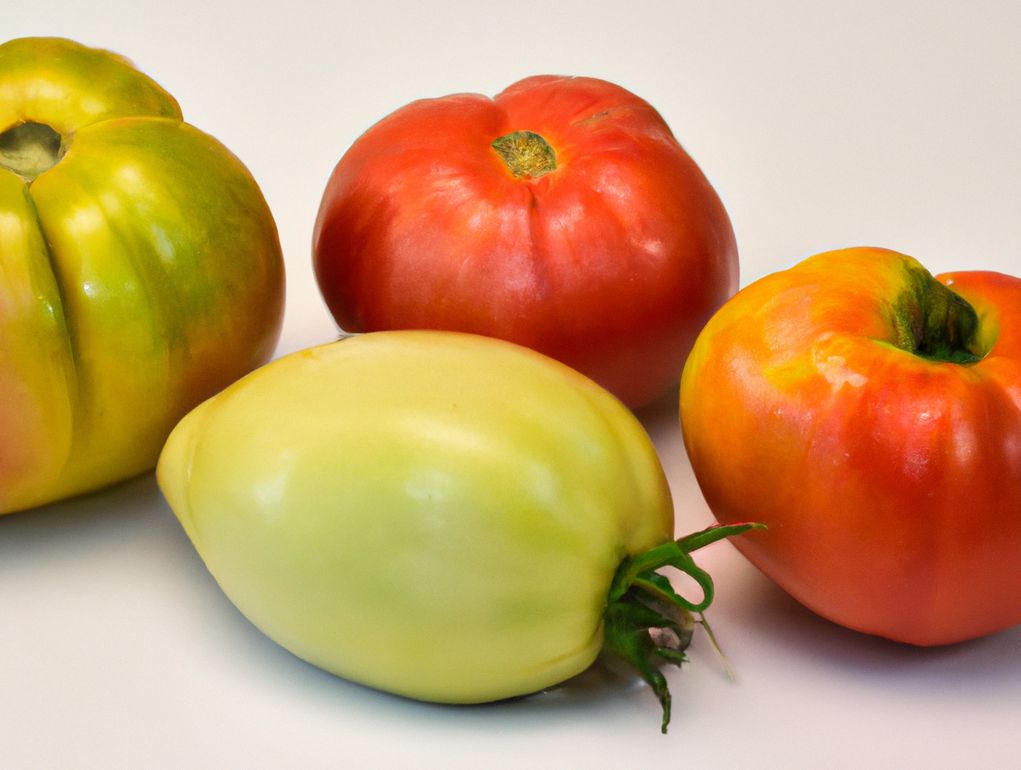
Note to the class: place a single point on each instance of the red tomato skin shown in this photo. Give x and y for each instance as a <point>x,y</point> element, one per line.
<point>891,484</point>
<point>610,263</point>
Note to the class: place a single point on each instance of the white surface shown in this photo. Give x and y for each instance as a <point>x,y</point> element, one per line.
<point>822,124</point>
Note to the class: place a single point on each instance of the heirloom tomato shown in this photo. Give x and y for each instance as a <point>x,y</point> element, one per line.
<point>140,270</point>
<point>445,516</point>
<point>870,414</point>
<point>561,214</point>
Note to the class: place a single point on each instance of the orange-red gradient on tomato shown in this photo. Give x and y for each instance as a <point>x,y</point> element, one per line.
<point>870,414</point>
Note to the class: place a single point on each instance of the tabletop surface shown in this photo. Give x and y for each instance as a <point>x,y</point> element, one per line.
<point>821,125</point>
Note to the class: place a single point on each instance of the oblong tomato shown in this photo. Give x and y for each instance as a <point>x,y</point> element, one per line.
<point>140,270</point>
<point>561,214</point>
<point>870,415</point>
<point>439,515</point>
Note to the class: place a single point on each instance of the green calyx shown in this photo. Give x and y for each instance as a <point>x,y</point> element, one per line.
<point>646,622</point>
<point>526,153</point>
<point>934,322</point>
<point>28,149</point>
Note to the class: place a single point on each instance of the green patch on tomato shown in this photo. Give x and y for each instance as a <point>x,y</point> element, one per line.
<point>141,268</point>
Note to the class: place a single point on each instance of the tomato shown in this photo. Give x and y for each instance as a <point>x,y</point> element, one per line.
<point>870,415</point>
<point>140,270</point>
<point>561,214</point>
<point>438,515</point>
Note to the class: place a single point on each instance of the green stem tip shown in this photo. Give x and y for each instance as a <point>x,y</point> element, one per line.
<point>646,622</point>
<point>934,322</point>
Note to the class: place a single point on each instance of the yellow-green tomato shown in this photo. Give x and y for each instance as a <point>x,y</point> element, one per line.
<point>435,514</point>
<point>140,270</point>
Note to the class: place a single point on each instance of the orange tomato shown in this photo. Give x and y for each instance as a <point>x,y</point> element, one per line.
<point>870,415</point>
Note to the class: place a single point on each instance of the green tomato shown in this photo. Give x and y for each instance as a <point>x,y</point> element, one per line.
<point>438,515</point>
<point>140,270</point>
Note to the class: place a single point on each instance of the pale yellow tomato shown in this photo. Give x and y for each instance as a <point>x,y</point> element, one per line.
<point>434,514</point>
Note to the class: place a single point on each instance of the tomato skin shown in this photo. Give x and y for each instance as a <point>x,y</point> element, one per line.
<point>610,263</point>
<point>140,273</point>
<point>433,514</point>
<point>890,483</point>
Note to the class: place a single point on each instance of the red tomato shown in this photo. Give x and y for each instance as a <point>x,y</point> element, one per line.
<point>871,417</point>
<point>561,215</point>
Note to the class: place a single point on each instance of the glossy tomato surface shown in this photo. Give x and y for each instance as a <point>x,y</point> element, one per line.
<point>433,514</point>
<point>871,417</point>
<point>561,214</point>
<point>140,270</point>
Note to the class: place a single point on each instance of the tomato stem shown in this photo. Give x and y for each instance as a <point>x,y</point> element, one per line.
<point>28,149</point>
<point>934,322</point>
<point>527,154</point>
<point>647,623</point>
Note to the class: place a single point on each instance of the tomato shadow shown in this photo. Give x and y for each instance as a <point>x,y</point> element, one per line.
<point>781,627</point>
<point>602,694</point>
<point>606,693</point>
<point>112,517</point>
<point>661,417</point>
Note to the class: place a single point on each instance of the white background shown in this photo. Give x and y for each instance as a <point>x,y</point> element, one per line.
<point>821,124</point>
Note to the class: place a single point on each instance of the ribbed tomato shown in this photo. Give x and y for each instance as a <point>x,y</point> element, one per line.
<point>870,414</point>
<point>562,215</point>
<point>140,270</point>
